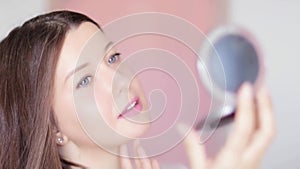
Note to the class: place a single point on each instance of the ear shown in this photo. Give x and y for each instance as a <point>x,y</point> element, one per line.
<point>61,139</point>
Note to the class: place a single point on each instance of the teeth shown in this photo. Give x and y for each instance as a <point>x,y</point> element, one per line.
<point>131,105</point>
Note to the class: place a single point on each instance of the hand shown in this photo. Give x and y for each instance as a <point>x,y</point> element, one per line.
<point>253,131</point>
<point>141,162</point>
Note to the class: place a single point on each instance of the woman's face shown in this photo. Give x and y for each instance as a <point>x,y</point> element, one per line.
<point>96,100</point>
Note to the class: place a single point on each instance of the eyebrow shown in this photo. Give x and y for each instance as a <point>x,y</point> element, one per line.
<point>106,48</point>
<point>76,70</point>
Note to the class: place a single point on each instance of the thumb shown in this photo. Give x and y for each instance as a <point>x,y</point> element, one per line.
<point>195,150</point>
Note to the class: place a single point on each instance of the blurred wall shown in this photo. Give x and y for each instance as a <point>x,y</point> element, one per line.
<point>15,12</point>
<point>276,26</point>
<point>203,13</point>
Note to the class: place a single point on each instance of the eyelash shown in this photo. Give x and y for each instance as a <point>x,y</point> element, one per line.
<point>113,58</point>
<point>83,83</point>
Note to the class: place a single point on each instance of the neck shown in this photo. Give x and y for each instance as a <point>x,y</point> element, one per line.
<point>90,157</point>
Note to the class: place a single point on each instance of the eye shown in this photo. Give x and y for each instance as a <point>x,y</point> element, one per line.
<point>84,82</point>
<point>113,58</point>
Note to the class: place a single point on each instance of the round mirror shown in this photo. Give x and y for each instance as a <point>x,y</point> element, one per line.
<point>228,58</point>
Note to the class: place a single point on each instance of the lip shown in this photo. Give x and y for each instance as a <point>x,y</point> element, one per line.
<point>132,108</point>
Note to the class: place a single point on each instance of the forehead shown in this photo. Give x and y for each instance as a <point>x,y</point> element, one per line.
<point>78,47</point>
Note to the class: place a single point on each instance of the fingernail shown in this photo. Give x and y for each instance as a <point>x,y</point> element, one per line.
<point>247,90</point>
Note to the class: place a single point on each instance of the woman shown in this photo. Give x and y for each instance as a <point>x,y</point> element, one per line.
<point>44,70</point>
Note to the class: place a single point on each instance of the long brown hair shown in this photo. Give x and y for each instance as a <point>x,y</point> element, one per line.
<point>28,58</point>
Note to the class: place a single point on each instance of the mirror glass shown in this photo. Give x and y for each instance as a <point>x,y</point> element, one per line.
<point>239,60</point>
<point>228,58</point>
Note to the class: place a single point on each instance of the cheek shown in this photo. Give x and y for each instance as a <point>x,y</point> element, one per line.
<point>67,119</point>
<point>104,102</point>
<point>64,111</point>
<point>102,93</point>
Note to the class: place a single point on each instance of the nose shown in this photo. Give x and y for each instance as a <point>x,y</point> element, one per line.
<point>121,80</point>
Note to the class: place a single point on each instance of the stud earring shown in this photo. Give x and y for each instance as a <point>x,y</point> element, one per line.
<point>60,140</point>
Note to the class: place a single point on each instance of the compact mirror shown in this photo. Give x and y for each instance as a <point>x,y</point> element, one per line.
<point>228,58</point>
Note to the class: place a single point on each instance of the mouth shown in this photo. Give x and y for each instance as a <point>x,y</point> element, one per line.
<point>133,108</point>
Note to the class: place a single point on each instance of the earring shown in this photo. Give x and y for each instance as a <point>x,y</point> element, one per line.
<point>60,140</point>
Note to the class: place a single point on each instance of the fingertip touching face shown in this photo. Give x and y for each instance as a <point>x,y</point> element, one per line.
<point>94,94</point>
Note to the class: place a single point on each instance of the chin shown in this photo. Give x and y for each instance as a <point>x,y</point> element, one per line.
<point>123,136</point>
<point>134,131</point>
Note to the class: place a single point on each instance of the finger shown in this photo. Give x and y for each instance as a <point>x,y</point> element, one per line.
<point>195,151</point>
<point>124,161</point>
<point>136,159</point>
<point>266,126</point>
<point>141,159</point>
<point>243,129</point>
<point>155,164</point>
